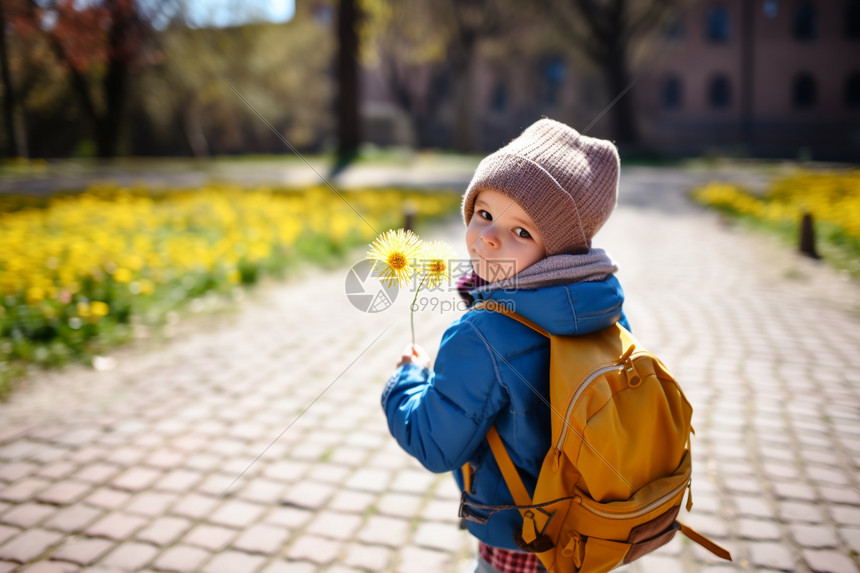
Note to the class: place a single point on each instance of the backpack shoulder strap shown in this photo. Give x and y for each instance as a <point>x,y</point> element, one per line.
<point>509,471</point>
<point>495,307</point>
<point>534,522</point>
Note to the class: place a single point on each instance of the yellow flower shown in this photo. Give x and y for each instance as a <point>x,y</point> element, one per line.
<point>258,251</point>
<point>99,308</point>
<point>35,295</point>
<point>395,252</point>
<point>435,263</point>
<point>122,275</point>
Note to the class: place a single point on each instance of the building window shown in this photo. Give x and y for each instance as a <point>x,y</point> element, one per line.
<point>805,22</point>
<point>852,20</point>
<point>718,28</point>
<point>771,8</point>
<point>672,93</point>
<point>804,91</point>
<point>720,92</point>
<point>553,74</point>
<point>852,91</point>
<point>499,98</point>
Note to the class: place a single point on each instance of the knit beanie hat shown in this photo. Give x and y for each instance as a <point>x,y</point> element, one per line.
<point>565,181</point>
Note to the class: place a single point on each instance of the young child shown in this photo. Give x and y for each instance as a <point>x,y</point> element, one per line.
<point>531,211</point>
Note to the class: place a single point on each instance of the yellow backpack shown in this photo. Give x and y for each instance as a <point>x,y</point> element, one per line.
<point>611,485</point>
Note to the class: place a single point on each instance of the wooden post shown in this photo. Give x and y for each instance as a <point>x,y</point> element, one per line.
<point>409,212</point>
<point>807,236</point>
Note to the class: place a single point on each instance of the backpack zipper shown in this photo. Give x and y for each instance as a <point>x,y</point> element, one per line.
<point>626,361</point>
<point>577,394</point>
<point>641,511</point>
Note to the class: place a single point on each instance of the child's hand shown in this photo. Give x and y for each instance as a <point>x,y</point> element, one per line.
<point>414,354</point>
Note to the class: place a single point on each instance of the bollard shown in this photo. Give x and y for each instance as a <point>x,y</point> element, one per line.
<point>807,236</point>
<point>409,212</point>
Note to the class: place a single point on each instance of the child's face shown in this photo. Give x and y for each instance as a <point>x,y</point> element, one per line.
<point>501,238</point>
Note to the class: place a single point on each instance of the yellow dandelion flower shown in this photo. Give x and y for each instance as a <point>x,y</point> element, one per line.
<point>394,252</point>
<point>35,295</point>
<point>99,308</point>
<point>122,275</point>
<point>435,263</point>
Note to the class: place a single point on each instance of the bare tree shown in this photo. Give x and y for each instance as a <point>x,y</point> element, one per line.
<point>100,45</point>
<point>441,38</point>
<point>8,89</point>
<point>408,43</point>
<point>349,89</point>
<point>606,31</point>
<point>472,21</point>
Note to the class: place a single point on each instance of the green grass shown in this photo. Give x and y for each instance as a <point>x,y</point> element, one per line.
<point>52,332</point>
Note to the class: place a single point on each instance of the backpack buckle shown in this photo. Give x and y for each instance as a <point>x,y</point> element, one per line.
<point>466,515</point>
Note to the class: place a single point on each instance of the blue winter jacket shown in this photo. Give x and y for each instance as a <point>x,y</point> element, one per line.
<point>490,370</point>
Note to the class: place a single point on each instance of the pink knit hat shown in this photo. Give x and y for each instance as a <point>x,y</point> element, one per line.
<point>565,181</point>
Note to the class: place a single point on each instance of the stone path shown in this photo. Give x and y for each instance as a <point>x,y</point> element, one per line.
<point>409,170</point>
<point>257,444</point>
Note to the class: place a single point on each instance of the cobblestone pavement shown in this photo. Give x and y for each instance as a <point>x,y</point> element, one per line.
<point>255,442</point>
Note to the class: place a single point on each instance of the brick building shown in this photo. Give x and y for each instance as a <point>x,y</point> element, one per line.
<point>772,77</point>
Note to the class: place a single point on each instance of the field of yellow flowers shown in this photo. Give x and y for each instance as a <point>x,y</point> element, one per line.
<point>79,272</point>
<point>831,197</point>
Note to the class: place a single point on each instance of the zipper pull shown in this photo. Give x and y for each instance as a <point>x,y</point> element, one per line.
<point>577,552</point>
<point>573,548</point>
<point>633,378</point>
<point>626,355</point>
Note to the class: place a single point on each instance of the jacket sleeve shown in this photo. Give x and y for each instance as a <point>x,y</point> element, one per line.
<point>441,415</point>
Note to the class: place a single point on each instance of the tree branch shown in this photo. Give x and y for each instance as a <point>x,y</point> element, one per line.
<point>597,17</point>
<point>564,14</point>
<point>656,11</point>
<point>79,82</point>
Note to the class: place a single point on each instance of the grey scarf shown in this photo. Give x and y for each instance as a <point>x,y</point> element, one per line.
<point>595,265</point>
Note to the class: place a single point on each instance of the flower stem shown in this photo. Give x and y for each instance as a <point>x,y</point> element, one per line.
<point>412,307</point>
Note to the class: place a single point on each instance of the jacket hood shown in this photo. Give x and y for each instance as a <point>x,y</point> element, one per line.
<point>578,308</point>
